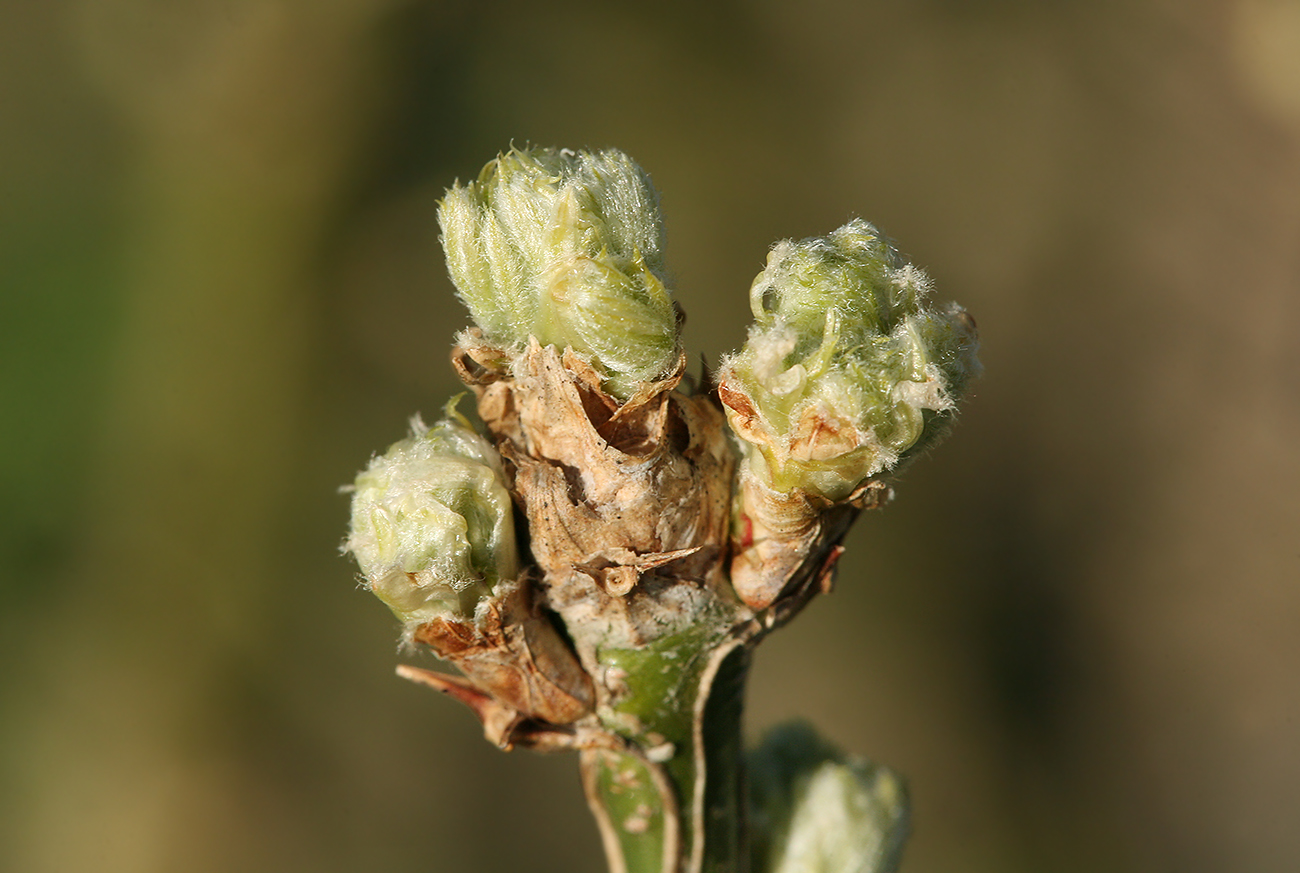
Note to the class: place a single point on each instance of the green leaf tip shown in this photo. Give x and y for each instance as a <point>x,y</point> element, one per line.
<point>847,370</point>
<point>566,246</point>
<point>432,522</point>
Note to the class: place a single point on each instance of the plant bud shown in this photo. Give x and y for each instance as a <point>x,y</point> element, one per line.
<point>816,810</point>
<point>846,372</point>
<point>432,522</point>
<point>566,247</point>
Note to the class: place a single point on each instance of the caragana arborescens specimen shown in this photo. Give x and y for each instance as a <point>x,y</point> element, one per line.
<point>667,526</point>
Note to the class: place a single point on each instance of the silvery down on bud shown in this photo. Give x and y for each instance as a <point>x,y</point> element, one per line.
<point>432,523</point>
<point>847,371</point>
<point>566,246</point>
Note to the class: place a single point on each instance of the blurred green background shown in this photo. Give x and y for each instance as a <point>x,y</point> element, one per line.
<point>1076,631</point>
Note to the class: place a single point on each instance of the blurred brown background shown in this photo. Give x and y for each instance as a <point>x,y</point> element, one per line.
<point>1077,630</point>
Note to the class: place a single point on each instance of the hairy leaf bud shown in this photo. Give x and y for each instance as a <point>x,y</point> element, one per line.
<point>846,372</point>
<point>817,810</point>
<point>566,246</point>
<point>432,522</point>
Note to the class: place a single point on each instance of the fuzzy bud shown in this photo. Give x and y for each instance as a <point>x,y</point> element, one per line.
<point>432,522</point>
<point>847,372</point>
<point>566,246</point>
<point>816,810</point>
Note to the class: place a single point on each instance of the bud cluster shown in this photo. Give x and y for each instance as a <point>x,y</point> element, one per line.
<point>660,550</point>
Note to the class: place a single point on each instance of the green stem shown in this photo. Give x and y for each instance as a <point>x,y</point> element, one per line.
<point>674,803</point>
<point>635,808</point>
<point>724,812</point>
